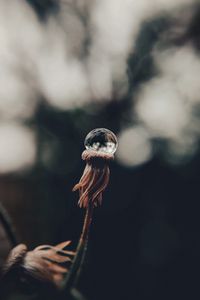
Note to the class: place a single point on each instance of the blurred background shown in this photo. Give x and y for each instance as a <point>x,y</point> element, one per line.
<point>132,66</point>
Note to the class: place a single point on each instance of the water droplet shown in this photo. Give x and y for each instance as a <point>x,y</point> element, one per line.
<point>101,140</point>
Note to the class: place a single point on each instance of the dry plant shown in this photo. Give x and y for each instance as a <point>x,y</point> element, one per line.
<point>56,266</point>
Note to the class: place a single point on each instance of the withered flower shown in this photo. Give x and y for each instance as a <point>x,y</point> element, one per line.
<point>45,263</point>
<point>101,145</point>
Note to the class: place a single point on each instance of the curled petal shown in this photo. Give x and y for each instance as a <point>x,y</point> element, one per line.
<point>63,245</point>
<point>95,177</point>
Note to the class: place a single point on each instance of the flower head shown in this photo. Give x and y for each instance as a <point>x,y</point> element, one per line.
<point>45,263</point>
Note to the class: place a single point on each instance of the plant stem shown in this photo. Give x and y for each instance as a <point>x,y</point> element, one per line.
<point>7,225</point>
<point>87,222</point>
<point>77,263</point>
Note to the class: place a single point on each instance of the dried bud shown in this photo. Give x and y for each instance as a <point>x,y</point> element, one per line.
<point>44,263</point>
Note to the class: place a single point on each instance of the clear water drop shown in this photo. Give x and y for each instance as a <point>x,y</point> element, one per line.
<point>101,140</point>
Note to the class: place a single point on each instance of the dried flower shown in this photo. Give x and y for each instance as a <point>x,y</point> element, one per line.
<point>45,263</point>
<point>100,147</point>
<point>95,178</point>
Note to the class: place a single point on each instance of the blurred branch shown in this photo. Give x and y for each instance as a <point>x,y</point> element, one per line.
<point>77,295</point>
<point>7,225</point>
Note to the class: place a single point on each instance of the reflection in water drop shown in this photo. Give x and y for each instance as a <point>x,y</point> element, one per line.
<point>102,140</point>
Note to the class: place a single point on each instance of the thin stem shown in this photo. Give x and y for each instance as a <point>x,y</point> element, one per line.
<point>7,224</point>
<point>87,222</point>
<point>77,264</point>
<point>84,237</point>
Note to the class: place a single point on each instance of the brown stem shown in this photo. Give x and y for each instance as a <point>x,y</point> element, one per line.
<point>77,263</point>
<point>87,222</point>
